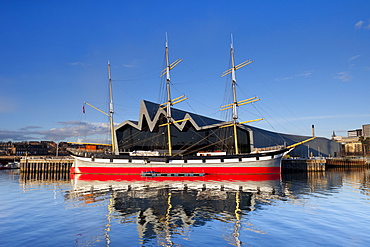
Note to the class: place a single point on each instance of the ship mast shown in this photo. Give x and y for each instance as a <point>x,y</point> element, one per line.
<point>235,102</point>
<point>111,112</point>
<point>168,88</point>
<point>234,106</point>
<point>113,144</point>
<point>170,101</point>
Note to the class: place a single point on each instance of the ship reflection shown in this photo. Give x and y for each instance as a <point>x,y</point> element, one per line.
<point>163,207</point>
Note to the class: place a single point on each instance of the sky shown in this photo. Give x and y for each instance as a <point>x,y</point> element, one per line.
<point>311,63</point>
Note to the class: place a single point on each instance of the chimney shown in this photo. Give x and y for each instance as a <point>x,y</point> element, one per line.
<point>313,130</point>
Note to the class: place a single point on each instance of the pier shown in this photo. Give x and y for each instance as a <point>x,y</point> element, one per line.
<point>46,165</point>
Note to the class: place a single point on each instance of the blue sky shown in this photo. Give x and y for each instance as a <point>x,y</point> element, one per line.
<point>311,63</point>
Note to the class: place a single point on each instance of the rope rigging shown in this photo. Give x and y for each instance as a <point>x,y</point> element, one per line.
<point>305,129</point>
<point>230,137</point>
<point>220,136</point>
<point>137,142</point>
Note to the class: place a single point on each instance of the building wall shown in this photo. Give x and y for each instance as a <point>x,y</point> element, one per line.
<point>366,130</point>
<point>353,133</point>
<point>131,139</point>
<point>318,147</point>
<point>354,148</point>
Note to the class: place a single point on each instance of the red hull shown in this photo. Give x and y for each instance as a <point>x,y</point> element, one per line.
<point>208,170</point>
<point>105,177</point>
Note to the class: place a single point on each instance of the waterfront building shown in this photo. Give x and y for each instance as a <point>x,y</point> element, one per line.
<point>352,146</point>
<point>5,147</point>
<point>29,148</point>
<point>357,141</point>
<point>364,131</point>
<point>200,133</point>
<point>353,133</point>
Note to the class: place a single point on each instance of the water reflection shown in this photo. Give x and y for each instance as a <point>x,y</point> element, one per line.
<point>163,207</point>
<point>297,185</point>
<point>166,211</point>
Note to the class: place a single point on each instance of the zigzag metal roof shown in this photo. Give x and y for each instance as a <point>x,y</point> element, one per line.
<point>151,113</point>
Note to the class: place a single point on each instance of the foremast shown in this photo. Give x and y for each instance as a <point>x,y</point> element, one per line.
<point>234,106</point>
<point>168,110</point>
<point>170,101</point>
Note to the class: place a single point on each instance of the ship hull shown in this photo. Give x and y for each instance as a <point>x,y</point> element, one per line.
<point>264,163</point>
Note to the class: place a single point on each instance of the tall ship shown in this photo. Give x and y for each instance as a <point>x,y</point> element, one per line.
<point>207,155</point>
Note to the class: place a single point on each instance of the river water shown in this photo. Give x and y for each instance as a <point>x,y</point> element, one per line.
<point>329,208</point>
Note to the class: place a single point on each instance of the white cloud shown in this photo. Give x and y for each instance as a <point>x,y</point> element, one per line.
<point>67,130</point>
<point>284,78</point>
<point>77,64</point>
<point>133,64</point>
<point>29,128</point>
<point>304,74</point>
<point>354,57</point>
<point>343,76</point>
<point>359,24</point>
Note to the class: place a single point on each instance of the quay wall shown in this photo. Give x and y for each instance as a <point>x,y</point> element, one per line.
<point>321,164</point>
<point>5,159</point>
<point>347,162</point>
<point>302,165</point>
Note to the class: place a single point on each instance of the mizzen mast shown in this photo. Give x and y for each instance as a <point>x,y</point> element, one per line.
<point>234,106</point>
<point>113,144</point>
<point>111,112</point>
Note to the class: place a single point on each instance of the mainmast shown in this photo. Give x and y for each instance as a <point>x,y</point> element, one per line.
<point>235,104</point>
<point>111,112</point>
<point>170,102</point>
<point>233,83</point>
<point>168,89</point>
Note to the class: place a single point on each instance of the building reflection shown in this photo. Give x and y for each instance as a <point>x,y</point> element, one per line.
<point>163,207</point>
<point>297,185</point>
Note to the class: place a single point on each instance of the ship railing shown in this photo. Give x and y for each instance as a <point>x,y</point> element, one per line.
<point>270,148</point>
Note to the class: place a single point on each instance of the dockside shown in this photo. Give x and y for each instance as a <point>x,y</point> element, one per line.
<point>63,165</point>
<point>321,164</point>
